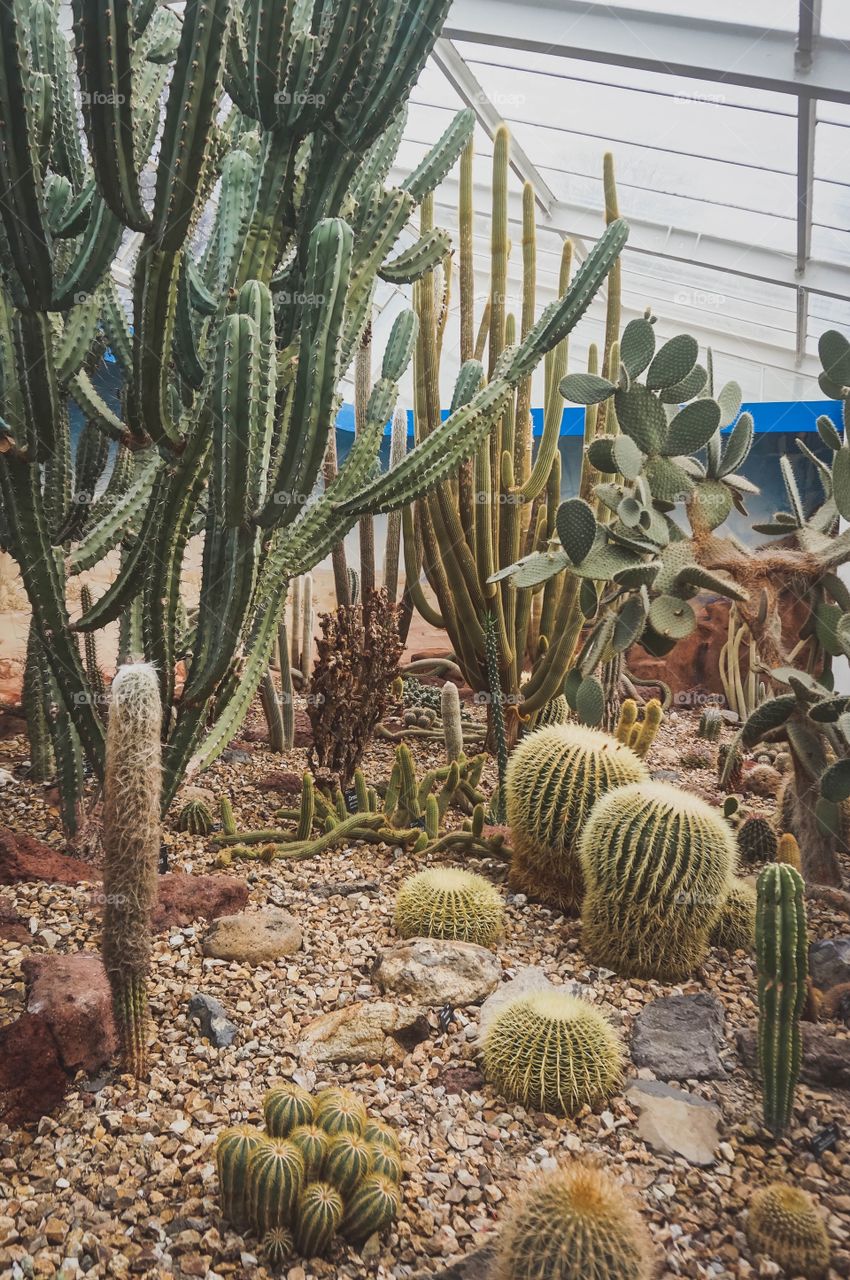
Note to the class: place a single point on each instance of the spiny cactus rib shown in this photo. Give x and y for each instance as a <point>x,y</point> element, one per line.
<point>552,1052</point>
<point>657,864</point>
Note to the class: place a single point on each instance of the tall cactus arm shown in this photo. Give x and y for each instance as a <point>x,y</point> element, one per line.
<point>52,55</point>
<point>96,250</point>
<point>26,254</point>
<point>326,285</point>
<point>431,171</point>
<point>154,309</point>
<point>103,37</point>
<point>193,99</point>
<point>268,35</point>
<point>40,572</point>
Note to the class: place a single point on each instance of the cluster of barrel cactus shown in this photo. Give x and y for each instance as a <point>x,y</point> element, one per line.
<point>636,731</point>
<point>553,1052</point>
<point>554,778</point>
<point>574,1223</point>
<point>321,1168</point>
<point>657,863</point>
<point>447,902</point>
<point>239,335</point>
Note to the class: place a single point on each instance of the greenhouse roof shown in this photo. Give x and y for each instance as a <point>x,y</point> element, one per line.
<point>731,143</point>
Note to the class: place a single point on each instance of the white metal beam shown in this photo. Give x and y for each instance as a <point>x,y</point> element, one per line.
<point>668,44</point>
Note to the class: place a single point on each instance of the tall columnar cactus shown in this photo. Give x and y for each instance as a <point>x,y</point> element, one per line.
<point>256,253</point>
<point>657,863</point>
<point>452,723</point>
<point>131,839</point>
<point>554,778</point>
<point>574,1223</point>
<point>782,960</point>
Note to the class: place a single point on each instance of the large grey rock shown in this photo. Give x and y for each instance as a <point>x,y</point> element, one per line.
<point>253,936</point>
<point>367,1031</point>
<point>678,1037</point>
<point>826,1055</point>
<point>214,1023</point>
<point>829,963</point>
<point>432,971</point>
<point>527,982</point>
<point>673,1122</point>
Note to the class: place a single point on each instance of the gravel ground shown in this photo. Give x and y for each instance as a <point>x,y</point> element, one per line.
<point>121,1180</point>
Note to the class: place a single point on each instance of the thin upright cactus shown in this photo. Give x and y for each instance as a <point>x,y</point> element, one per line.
<point>782,960</point>
<point>131,839</point>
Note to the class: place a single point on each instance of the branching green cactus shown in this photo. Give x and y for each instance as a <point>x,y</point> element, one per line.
<point>782,950</point>
<point>555,776</point>
<point>234,351</point>
<point>575,1223</point>
<point>657,864</point>
<point>131,838</point>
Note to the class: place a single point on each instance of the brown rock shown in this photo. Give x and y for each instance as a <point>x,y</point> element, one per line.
<point>23,858</point>
<point>13,927</point>
<point>254,937</point>
<point>184,897</point>
<point>281,780</point>
<point>367,1031</point>
<point>72,994</point>
<point>826,1055</point>
<point>32,1080</point>
<point>303,735</point>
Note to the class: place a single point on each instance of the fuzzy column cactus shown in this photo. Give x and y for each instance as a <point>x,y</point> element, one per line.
<point>452,724</point>
<point>782,960</point>
<point>131,832</point>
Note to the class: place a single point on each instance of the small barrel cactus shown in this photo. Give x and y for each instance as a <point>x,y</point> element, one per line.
<point>232,1152</point>
<point>446,902</point>
<point>320,1210</point>
<point>314,1143</point>
<point>756,841</point>
<point>385,1162</point>
<point>554,778</point>
<point>278,1247</point>
<point>657,863</point>
<point>552,1052</point>
<point>285,1106</point>
<point>555,711</point>
<point>348,1161</point>
<point>710,724</point>
<point>381,1135</point>
<point>340,1111</point>
<point>646,730</point>
<point>374,1205</point>
<point>785,1225</point>
<point>575,1223</point>
<point>195,818</point>
<point>782,961</point>
<point>735,927</point>
<point>788,851</point>
<point>275,1176</point>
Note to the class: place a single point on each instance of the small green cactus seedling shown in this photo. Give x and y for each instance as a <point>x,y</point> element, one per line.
<point>278,1247</point>
<point>320,1210</point>
<point>710,724</point>
<point>555,711</point>
<point>195,818</point>
<point>554,778</point>
<point>275,1176</point>
<point>575,1223</point>
<point>285,1106</point>
<point>552,1052</point>
<point>657,863</point>
<point>374,1205</point>
<point>735,927</point>
<point>232,1152</point>
<point>340,1111</point>
<point>446,902</point>
<point>785,1225</point>
<point>756,841</point>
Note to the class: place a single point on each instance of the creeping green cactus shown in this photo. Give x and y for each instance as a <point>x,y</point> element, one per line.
<point>782,950</point>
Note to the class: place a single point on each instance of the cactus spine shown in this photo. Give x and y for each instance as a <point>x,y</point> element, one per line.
<point>446,902</point>
<point>552,1052</point>
<point>554,778</point>
<point>657,864</point>
<point>784,1223</point>
<point>131,839</point>
<point>575,1223</point>
<point>782,960</point>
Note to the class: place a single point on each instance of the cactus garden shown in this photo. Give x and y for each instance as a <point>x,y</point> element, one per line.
<point>424,694</point>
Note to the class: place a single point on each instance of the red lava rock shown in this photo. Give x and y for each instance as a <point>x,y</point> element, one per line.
<point>13,927</point>
<point>281,780</point>
<point>72,994</point>
<point>184,897</point>
<point>303,735</point>
<point>461,1079</point>
<point>32,1080</point>
<point>24,858</point>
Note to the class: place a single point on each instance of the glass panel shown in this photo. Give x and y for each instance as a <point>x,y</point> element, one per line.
<point>774,14</point>
<point>835,19</point>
